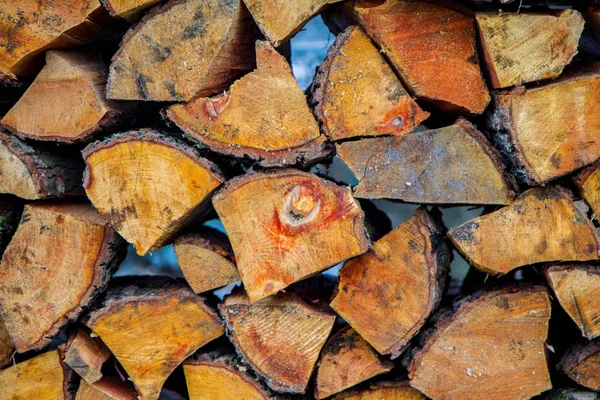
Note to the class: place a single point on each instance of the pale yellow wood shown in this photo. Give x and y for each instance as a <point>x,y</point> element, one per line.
<point>216,382</point>
<point>15,178</point>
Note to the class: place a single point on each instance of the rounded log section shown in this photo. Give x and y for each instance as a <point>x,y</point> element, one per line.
<point>106,389</point>
<point>382,391</point>
<point>582,364</point>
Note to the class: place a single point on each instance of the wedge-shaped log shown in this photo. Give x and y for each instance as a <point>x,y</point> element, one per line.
<point>356,93</point>
<point>582,364</point>
<point>86,355</point>
<point>152,327</point>
<point>130,10</point>
<point>264,116</point>
<point>577,289</point>
<point>543,224</point>
<point>208,47</point>
<point>280,337</point>
<point>148,184</point>
<point>42,288</point>
<point>288,225</point>
<point>490,346</point>
<point>450,165</point>
<point>526,47</point>
<point>108,388</point>
<point>382,391</point>
<point>587,182</point>
<point>388,293</point>
<point>7,349</point>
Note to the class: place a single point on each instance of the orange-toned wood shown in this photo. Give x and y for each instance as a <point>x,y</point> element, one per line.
<point>7,348</point>
<point>587,182</point>
<point>382,391</point>
<point>582,364</point>
<point>107,388</point>
<point>130,10</point>
<point>86,355</point>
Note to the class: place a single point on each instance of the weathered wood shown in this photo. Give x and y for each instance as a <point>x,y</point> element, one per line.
<point>7,349</point>
<point>86,355</point>
<point>382,391</point>
<point>587,182</point>
<point>388,293</point>
<point>106,389</point>
<point>543,224</point>
<point>288,225</point>
<point>582,364</point>
<point>130,10</point>
<point>450,165</point>
<point>263,115</point>
<point>42,288</point>
<point>148,184</point>
<point>490,346</point>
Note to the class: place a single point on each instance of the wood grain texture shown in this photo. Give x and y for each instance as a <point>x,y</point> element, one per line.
<point>86,355</point>
<point>582,364</point>
<point>130,10</point>
<point>587,184</point>
<point>382,391</point>
<point>107,388</point>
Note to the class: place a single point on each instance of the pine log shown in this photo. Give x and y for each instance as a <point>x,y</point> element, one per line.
<point>577,289</point>
<point>42,288</point>
<point>11,209</point>
<point>86,355</point>
<point>543,224</point>
<point>280,337</point>
<point>7,349</point>
<point>582,364</point>
<point>450,165</point>
<point>388,293</point>
<point>587,182</point>
<point>152,327</point>
<point>208,47</point>
<point>288,225</point>
<point>490,346</point>
<point>176,183</point>
<point>107,388</point>
<point>263,115</point>
<point>356,93</point>
<point>382,391</point>
<point>347,360</point>
<point>130,10</point>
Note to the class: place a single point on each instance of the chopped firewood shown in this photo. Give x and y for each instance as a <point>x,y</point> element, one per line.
<point>263,115</point>
<point>577,289</point>
<point>10,214</point>
<point>382,391</point>
<point>587,181</point>
<point>130,10</point>
<point>388,293</point>
<point>537,130</point>
<point>206,260</point>
<point>288,225</point>
<point>347,360</point>
<point>148,184</point>
<point>543,224</point>
<point>356,92</point>
<point>152,327</point>
<point>522,47</point>
<point>490,346</point>
<point>107,388</point>
<point>450,165</point>
<point>208,47</point>
<point>86,354</point>
<point>7,349</point>
<point>582,364</point>
<point>71,88</point>
<point>280,337</point>
<point>42,288</point>
<point>32,173</point>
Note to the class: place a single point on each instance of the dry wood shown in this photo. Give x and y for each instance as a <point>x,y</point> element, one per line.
<point>280,337</point>
<point>42,288</point>
<point>587,181</point>
<point>450,165</point>
<point>356,93</point>
<point>107,388</point>
<point>130,10</point>
<point>382,391</point>
<point>387,294</point>
<point>7,349</point>
<point>541,225</point>
<point>263,115</point>
<point>582,364</point>
<point>208,47</point>
<point>288,225</point>
<point>86,354</point>
<point>490,346</point>
<point>148,184</point>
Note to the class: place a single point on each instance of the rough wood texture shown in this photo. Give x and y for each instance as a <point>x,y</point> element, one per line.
<point>450,165</point>
<point>577,289</point>
<point>347,360</point>
<point>280,337</point>
<point>356,93</point>
<point>148,184</point>
<point>263,115</point>
<point>208,48</point>
<point>521,47</point>
<point>382,391</point>
<point>86,354</point>
<point>490,346</point>
<point>288,225</point>
<point>541,225</point>
<point>7,348</point>
<point>587,182</point>
<point>388,293</point>
<point>42,287</point>
<point>582,364</point>
<point>152,327</point>
<point>106,389</point>
<point>130,10</point>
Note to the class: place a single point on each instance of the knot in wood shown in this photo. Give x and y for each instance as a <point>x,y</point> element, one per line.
<point>301,206</point>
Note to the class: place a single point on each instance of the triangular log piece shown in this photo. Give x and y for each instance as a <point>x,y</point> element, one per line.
<point>7,349</point>
<point>382,391</point>
<point>582,364</point>
<point>288,225</point>
<point>148,184</point>
<point>107,388</point>
<point>130,10</point>
<point>587,182</point>
<point>86,354</point>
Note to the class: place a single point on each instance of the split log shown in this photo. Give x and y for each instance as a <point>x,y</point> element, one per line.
<point>206,260</point>
<point>536,129</point>
<point>356,93</point>
<point>450,165</point>
<point>387,294</point>
<point>280,337</point>
<point>152,327</point>
<point>347,360</point>
<point>582,364</point>
<point>7,349</point>
<point>525,232</point>
<point>42,289</point>
<point>382,391</point>
<point>490,346</point>
<point>86,355</point>
<point>577,289</point>
<point>10,214</point>
<point>106,389</point>
<point>263,115</point>
<point>526,47</point>
<point>130,10</point>
<point>288,225</point>
<point>176,183</point>
<point>587,182</point>
<point>208,48</point>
